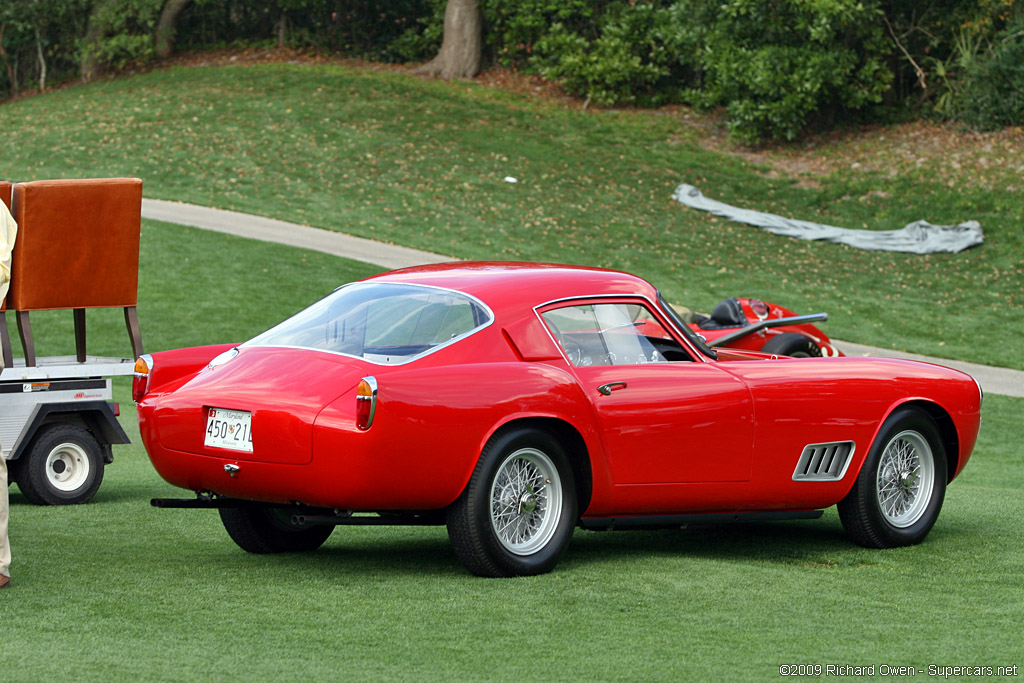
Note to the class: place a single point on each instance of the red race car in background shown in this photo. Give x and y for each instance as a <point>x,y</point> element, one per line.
<point>514,402</point>
<point>760,326</point>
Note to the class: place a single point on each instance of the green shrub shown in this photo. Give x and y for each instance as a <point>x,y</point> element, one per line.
<point>992,92</point>
<point>642,54</point>
<point>37,37</point>
<point>775,64</point>
<point>513,29</point>
<point>421,40</point>
<point>938,36</point>
<point>120,33</point>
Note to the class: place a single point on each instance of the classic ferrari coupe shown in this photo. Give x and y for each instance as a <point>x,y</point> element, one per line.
<point>514,402</point>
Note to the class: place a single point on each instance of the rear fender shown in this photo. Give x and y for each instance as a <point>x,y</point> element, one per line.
<point>580,442</point>
<point>461,408</point>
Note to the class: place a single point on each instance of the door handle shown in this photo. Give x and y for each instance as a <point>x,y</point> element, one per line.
<point>607,389</point>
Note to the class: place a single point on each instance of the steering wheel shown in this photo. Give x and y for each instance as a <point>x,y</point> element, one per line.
<point>572,350</point>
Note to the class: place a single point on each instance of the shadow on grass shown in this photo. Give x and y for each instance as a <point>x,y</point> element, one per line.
<point>417,556</point>
<point>778,542</point>
<point>428,552</point>
<point>125,515</point>
<point>137,497</point>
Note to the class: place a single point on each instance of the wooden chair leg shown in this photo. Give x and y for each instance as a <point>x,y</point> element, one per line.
<point>27,343</point>
<point>80,334</point>
<point>5,341</point>
<point>131,319</point>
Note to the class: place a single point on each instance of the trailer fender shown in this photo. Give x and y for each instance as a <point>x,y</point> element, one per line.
<point>96,416</point>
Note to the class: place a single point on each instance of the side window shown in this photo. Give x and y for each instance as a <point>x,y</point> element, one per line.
<point>612,334</point>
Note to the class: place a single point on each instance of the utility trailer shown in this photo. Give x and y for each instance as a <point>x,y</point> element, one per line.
<point>76,247</point>
<point>58,425</point>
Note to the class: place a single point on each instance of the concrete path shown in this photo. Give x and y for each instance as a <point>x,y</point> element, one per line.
<point>993,380</point>
<point>389,256</point>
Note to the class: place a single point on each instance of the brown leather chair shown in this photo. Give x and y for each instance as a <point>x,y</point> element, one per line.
<point>77,248</point>
<point>5,193</point>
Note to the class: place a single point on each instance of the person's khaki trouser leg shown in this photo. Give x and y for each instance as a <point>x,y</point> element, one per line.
<point>5,545</point>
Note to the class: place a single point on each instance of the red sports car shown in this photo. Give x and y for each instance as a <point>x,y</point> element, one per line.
<point>514,402</point>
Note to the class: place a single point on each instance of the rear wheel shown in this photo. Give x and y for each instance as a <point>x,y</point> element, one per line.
<point>793,345</point>
<point>63,466</point>
<point>899,492</point>
<point>517,514</point>
<point>262,530</point>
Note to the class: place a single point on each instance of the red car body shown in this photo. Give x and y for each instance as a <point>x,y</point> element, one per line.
<point>678,433</point>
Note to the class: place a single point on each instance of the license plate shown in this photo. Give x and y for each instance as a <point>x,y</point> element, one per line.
<point>230,429</point>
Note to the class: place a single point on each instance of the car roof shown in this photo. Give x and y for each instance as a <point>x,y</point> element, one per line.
<point>515,285</point>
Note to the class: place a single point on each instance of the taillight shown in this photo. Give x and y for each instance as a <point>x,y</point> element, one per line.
<point>140,383</point>
<point>366,402</point>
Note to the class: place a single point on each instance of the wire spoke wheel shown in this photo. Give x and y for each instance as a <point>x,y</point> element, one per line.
<point>906,475</point>
<point>898,493</point>
<point>526,499</point>
<point>517,513</point>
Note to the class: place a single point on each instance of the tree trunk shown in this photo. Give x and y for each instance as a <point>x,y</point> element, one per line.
<point>282,30</point>
<point>42,62</point>
<point>165,28</point>
<point>462,45</point>
<point>90,67</point>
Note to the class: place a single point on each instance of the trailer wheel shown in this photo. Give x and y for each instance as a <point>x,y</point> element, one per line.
<point>64,466</point>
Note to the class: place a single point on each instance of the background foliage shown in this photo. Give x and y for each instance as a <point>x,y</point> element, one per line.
<point>992,93</point>
<point>775,66</point>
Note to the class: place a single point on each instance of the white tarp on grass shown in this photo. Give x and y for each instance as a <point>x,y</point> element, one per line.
<point>919,237</point>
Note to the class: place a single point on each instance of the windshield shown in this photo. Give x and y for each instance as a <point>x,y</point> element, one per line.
<point>382,323</point>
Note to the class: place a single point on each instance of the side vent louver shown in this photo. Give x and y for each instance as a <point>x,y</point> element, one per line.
<point>824,461</point>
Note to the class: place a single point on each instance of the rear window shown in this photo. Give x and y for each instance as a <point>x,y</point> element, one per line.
<point>383,323</point>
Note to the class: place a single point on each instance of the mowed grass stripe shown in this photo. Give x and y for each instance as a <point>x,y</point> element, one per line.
<point>422,163</point>
<point>119,591</point>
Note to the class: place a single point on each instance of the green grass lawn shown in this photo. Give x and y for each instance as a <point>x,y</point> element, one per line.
<point>422,163</point>
<point>116,590</point>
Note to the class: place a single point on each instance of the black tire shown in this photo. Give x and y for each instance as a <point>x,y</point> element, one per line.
<point>793,345</point>
<point>538,507</point>
<point>893,504</point>
<point>63,466</point>
<point>263,530</point>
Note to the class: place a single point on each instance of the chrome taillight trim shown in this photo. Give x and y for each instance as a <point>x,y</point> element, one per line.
<point>141,380</point>
<point>372,398</point>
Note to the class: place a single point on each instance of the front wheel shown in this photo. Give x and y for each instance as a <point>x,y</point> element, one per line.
<point>517,514</point>
<point>261,530</point>
<point>63,466</point>
<point>899,492</point>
